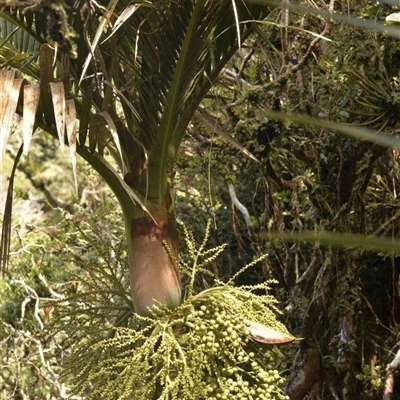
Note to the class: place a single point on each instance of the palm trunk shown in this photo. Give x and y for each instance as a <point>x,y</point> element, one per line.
<point>153,255</point>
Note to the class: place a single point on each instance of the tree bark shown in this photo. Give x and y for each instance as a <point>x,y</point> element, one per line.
<point>153,260</point>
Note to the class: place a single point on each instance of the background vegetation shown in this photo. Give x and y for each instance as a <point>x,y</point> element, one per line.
<point>342,300</point>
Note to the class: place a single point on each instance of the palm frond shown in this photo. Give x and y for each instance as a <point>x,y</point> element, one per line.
<point>31,24</point>
<point>12,58</point>
<point>180,49</point>
<point>171,54</point>
<point>13,36</point>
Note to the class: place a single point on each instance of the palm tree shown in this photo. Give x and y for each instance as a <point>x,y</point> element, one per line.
<point>134,75</point>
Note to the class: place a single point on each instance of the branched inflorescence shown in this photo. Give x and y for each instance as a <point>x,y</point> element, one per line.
<point>203,349</point>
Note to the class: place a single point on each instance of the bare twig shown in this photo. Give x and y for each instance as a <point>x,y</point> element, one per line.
<point>284,32</point>
<point>51,291</point>
<point>234,77</point>
<point>310,271</point>
<point>389,377</point>
<point>246,59</point>
<point>33,294</point>
<point>198,136</point>
<point>26,4</point>
<point>283,77</point>
<point>240,206</point>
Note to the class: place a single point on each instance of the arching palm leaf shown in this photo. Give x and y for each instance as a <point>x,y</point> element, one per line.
<point>146,79</point>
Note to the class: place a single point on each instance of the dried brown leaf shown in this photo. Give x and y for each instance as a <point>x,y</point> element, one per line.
<point>97,132</point>
<point>46,58</point>
<point>114,133</point>
<point>263,334</point>
<point>10,90</point>
<point>122,18</point>
<point>85,114</point>
<point>5,239</point>
<point>58,97</point>
<point>211,123</point>
<point>31,101</point>
<point>106,18</point>
<point>71,136</point>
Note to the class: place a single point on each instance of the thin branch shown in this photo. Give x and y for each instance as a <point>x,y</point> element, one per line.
<point>309,50</point>
<point>389,377</point>
<point>240,206</point>
<point>34,294</point>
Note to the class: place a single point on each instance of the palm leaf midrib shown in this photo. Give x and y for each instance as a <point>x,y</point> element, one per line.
<point>163,51</point>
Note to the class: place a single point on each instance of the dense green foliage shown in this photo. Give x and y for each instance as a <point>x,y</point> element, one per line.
<point>341,300</point>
